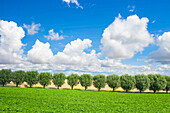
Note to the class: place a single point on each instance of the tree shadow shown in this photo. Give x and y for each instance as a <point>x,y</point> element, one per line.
<point>9,86</point>
<point>132,92</point>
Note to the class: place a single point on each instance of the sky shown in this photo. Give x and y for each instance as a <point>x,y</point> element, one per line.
<point>85,36</point>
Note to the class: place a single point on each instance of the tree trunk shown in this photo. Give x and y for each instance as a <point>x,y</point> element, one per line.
<point>57,87</point>
<point>3,84</point>
<point>85,87</point>
<point>16,84</point>
<point>126,90</point>
<point>113,89</point>
<point>43,86</point>
<point>30,85</point>
<point>154,91</point>
<point>72,87</point>
<point>98,89</point>
<point>140,91</point>
<point>166,91</point>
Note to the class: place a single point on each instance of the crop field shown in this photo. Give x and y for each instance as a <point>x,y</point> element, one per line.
<point>14,99</point>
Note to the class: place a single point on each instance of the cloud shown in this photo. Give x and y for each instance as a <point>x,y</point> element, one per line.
<point>32,29</point>
<point>125,37</point>
<point>154,21</point>
<point>40,53</point>
<point>74,57</point>
<point>74,2</point>
<point>162,55</point>
<point>73,54</point>
<point>131,8</point>
<point>53,36</point>
<point>97,69</point>
<point>10,42</point>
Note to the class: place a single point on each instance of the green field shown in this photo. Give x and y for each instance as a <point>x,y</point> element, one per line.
<point>59,100</point>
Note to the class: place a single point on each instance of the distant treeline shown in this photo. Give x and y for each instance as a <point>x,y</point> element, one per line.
<point>142,82</point>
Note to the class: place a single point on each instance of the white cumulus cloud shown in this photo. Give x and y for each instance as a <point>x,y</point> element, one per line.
<point>74,2</point>
<point>125,37</point>
<point>121,40</point>
<point>40,53</point>
<point>10,42</point>
<point>53,36</point>
<point>33,28</point>
<point>162,55</point>
<point>73,54</point>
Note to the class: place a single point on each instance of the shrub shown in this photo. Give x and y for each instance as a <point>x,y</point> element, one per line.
<point>99,81</point>
<point>113,81</point>
<point>59,79</point>
<point>85,80</point>
<point>127,82</point>
<point>72,80</point>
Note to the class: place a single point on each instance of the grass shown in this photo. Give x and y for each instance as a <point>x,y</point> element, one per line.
<point>58,100</point>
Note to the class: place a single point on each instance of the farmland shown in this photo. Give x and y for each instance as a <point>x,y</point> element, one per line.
<point>14,99</point>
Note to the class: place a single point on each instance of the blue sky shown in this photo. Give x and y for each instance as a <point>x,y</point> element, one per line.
<point>87,21</point>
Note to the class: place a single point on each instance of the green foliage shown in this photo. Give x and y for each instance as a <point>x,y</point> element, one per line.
<point>72,80</point>
<point>31,77</point>
<point>157,82</point>
<point>35,100</point>
<point>18,77</point>
<point>59,79</point>
<point>5,76</point>
<point>86,80</point>
<point>127,82</point>
<point>167,88</point>
<point>44,78</point>
<point>113,81</point>
<point>99,81</point>
<point>142,82</point>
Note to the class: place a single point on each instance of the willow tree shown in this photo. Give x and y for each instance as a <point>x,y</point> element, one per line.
<point>5,76</point>
<point>59,79</point>
<point>18,77</point>
<point>157,82</point>
<point>127,82</point>
<point>86,80</point>
<point>72,80</point>
<point>99,81</point>
<point>167,88</point>
<point>45,78</point>
<point>113,81</point>
<point>31,77</point>
<point>142,82</point>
